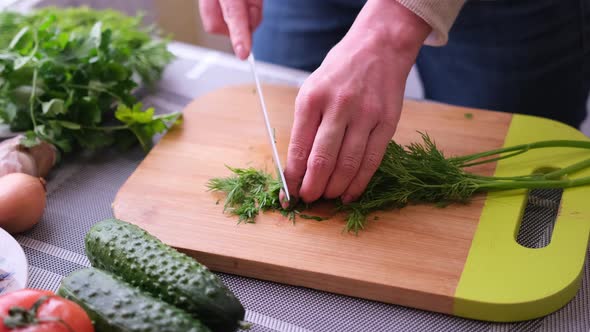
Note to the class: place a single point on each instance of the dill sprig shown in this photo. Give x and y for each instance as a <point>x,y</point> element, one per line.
<point>248,192</point>
<point>415,174</point>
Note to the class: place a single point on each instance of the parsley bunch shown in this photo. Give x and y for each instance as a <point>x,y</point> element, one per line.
<point>67,76</point>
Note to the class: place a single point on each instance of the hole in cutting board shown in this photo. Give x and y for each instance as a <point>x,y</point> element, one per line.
<point>538,219</point>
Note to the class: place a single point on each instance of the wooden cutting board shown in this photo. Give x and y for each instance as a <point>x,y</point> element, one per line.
<point>461,260</point>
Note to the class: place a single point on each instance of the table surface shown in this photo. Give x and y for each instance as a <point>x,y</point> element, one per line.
<point>81,190</point>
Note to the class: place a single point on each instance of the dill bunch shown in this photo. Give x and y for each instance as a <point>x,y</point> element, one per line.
<point>416,174</point>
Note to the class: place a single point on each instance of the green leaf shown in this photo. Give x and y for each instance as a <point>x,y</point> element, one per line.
<point>143,136</point>
<point>105,39</point>
<point>53,107</point>
<point>96,85</point>
<point>68,124</point>
<point>47,22</point>
<point>21,121</point>
<point>21,62</point>
<point>22,94</point>
<point>143,123</point>
<point>63,39</point>
<point>175,118</point>
<point>53,133</point>
<point>125,139</point>
<point>96,34</point>
<point>63,144</point>
<point>41,131</point>
<point>30,140</point>
<point>134,115</point>
<point>114,72</point>
<point>7,111</point>
<point>89,113</point>
<point>18,37</point>
<point>94,139</point>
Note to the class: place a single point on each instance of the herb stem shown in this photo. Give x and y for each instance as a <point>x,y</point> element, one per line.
<point>166,116</point>
<point>34,82</point>
<point>568,170</point>
<point>107,128</point>
<point>535,184</point>
<point>548,176</point>
<point>513,178</point>
<point>32,99</point>
<point>525,147</point>
<point>485,161</point>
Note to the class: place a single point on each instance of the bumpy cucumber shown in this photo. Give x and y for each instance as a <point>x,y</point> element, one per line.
<point>115,306</point>
<point>145,262</point>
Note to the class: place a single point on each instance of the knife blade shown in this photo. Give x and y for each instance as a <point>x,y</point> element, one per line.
<point>269,131</point>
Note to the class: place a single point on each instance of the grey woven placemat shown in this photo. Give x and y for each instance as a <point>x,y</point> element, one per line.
<point>81,190</point>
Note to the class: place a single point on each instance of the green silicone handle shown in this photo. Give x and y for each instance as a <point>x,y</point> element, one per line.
<point>504,281</point>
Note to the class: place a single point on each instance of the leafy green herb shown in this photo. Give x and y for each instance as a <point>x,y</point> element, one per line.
<point>415,174</point>
<point>250,191</point>
<point>67,76</point>
<point>468,116</point>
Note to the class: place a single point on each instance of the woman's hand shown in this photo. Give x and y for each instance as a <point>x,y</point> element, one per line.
<point>347,111</point>
<point>234,18</point>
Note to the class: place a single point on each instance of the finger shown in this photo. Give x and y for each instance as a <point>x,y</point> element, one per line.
<point>236,16</point>
<point>212,17</point>
<point>255,13</point>
<point>305,125</point>
<point>322,158</point>
<point>349,159</point>
<point>378,141</point>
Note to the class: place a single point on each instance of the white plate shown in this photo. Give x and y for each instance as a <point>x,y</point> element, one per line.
<point>13,264</point>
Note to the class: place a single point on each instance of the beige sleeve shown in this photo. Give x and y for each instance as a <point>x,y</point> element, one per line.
<point>439,14</point>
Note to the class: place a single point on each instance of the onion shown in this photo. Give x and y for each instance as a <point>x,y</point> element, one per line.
<point>22,201</point>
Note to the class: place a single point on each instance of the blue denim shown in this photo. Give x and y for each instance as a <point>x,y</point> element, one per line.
<point>525,56</point>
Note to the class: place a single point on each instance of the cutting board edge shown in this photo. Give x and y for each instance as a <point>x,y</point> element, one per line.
<point>328,282</point>
<point>301,278</point>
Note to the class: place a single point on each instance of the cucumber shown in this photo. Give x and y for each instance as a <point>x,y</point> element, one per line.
<point>143,261</point>
<point>115,306</point>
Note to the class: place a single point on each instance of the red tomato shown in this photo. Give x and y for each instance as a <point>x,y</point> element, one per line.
<point>53,313</point>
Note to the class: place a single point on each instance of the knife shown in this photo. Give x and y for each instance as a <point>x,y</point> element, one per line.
<point>269,131</point>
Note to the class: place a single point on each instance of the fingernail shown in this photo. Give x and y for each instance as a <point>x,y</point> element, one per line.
<point>347,199</point>
<point>241,51</point>
<point>283,199</point>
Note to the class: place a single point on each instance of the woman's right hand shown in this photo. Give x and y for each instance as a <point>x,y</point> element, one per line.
<point>234,18</point>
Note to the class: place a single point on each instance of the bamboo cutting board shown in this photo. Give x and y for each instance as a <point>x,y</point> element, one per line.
<point>461,260</point>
